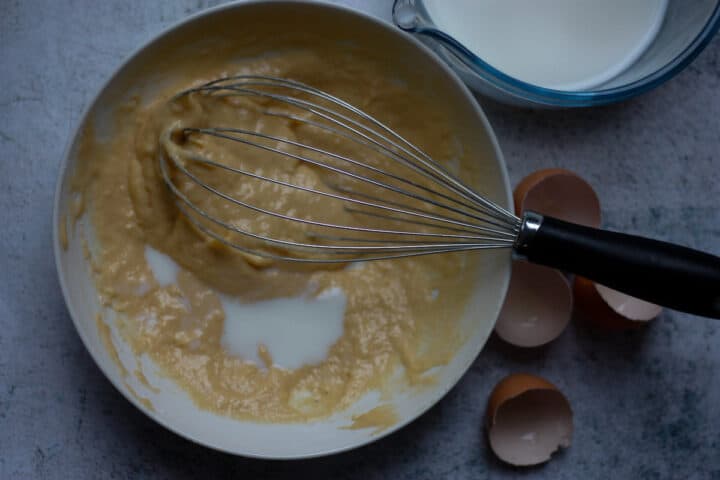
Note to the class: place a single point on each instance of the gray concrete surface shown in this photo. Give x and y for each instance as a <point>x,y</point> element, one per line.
<point>647,404</point>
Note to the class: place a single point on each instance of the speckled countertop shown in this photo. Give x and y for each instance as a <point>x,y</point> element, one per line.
<point>647,404</point>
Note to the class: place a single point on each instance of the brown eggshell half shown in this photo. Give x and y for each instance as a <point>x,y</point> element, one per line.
<point>558,193</point>
<point>528,420</point>
<point>537,308</point>
<point>606,308</point>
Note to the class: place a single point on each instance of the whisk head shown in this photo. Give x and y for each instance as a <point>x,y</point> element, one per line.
<point>298,174</point>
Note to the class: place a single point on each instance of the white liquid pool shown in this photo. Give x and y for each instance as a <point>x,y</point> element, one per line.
<point>296,331</point>
<point>559,44</point>
<point>164,268</point>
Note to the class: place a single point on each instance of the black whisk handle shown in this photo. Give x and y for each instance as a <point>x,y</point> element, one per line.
<point>671,275</point>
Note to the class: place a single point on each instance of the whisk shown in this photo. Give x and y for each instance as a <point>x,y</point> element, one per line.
<point>396,200</point>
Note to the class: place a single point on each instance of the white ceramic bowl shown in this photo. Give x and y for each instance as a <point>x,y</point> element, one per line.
<point>171,406</point>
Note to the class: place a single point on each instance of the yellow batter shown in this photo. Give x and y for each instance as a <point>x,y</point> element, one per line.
<point>400,314</point>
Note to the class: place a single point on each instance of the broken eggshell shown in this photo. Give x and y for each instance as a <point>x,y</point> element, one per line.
<point>537,307</point>
<point>558,193</point>
<point>528,419</point>
<point>609,309</point>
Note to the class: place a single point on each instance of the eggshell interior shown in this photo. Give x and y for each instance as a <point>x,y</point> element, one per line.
<point>537,307</point>
<point>528,420</point>
<point>512,386</point>
<point>627,306</point>
<point>609,309</point>
<point>531,427</point>
<point>558,193</point>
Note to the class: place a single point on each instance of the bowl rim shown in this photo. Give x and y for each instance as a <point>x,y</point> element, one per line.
<point>422,25</point>
<point>63,173</point>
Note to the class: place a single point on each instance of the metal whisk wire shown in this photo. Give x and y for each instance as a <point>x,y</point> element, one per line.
<point>477,223</point>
